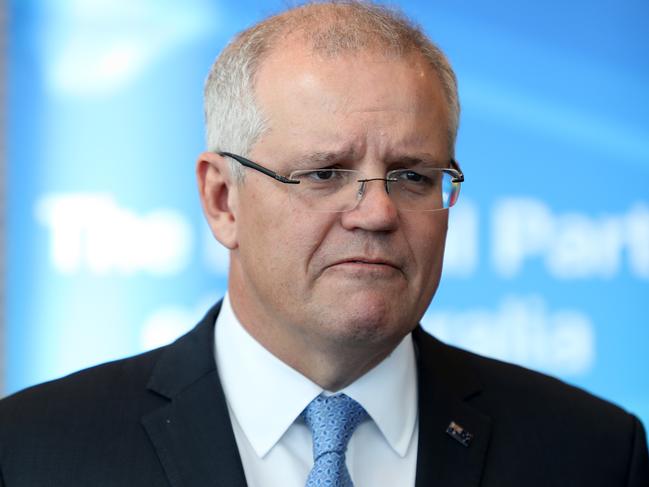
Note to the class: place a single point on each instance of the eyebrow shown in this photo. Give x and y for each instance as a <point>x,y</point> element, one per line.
<point>427,160</point>
<point>330,158</point>
<point>322,158</point>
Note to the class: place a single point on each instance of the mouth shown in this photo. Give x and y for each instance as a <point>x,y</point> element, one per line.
<point>365,262</point>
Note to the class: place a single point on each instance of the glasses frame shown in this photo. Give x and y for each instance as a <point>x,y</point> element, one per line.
<point>458,178</point>
<point>258,167</point>
<point>458,175</point>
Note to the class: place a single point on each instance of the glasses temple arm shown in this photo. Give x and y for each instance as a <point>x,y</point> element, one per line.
<point>253,165</point>
<point>460,175</point>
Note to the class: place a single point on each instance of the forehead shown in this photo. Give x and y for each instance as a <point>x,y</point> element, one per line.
<point>357,101</point>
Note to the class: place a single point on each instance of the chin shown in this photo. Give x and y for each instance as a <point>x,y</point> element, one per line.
<point>370,320</point>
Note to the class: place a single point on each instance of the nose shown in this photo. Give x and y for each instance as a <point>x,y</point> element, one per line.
<point>375,210</point>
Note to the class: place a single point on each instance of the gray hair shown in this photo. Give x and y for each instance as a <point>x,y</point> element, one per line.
<point>233,120</point>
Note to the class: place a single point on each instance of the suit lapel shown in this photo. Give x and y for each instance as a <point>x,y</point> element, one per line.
<point>192,433</point>
<point>446,457</point>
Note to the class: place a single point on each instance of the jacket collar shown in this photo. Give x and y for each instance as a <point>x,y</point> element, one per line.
<point>446,456</point>
<point>192,433</point>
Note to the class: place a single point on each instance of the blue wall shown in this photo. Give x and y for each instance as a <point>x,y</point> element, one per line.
<point>548,254</point>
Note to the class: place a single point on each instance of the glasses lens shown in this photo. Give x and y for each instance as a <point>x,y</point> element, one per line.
<point>337,190</point>
<point>325,189</point>
<point>426,189</point>
<point>451,191</point>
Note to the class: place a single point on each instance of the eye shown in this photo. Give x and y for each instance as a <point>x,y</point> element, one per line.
<point>322,174</point>
<point>324,178</point>
<point>325,175</point>
<point>412,176</point>
<point>408,176</point>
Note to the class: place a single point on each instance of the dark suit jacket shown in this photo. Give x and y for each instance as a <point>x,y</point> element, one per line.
<point>160,419</point>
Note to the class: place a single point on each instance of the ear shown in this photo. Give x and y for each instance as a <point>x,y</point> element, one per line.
<point>218,192</point>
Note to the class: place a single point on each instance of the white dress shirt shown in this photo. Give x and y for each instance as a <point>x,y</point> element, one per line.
<point>265,398</point>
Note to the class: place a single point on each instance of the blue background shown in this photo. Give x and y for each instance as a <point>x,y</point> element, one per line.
<point>548,254</point>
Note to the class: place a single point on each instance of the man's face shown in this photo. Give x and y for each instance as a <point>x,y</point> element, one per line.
<point>365,277</point>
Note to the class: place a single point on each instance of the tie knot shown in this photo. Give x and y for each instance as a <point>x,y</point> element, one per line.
<point>332,420</point>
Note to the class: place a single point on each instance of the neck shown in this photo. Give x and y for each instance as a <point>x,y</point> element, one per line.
<point>335,368</point>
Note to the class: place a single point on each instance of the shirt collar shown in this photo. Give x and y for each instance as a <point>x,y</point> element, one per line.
<point>251,375</point>
<point>388,393</point>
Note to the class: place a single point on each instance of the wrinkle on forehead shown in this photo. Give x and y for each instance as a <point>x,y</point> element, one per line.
<point>352,154</point>
<point>345,105</point>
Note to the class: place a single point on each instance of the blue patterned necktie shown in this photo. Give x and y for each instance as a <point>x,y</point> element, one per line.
<point>332,420</point>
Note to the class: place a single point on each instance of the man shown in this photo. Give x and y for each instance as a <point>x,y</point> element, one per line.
<point>329,177</point>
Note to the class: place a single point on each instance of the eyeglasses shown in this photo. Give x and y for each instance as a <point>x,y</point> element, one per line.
<point>338,190</point>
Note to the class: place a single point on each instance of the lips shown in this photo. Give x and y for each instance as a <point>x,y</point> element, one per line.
<point>366,260</point>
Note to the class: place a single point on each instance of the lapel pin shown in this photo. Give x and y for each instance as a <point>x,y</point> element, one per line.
<point>458,433</point>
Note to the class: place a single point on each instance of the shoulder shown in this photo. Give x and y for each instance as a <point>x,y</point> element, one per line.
<point>93,383</point>
<point>514,388</point>
<point>83,429</point>
<point>127,387</point>
<point>114,392</point>
<point>130,381</point>
<point>540,425</point>
<point>89,428</point>
<point>507,386</point>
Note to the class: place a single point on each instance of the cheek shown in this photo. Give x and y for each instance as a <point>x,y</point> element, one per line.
<point>427,243</point>
<point>261,213</point>
<point>260,235</point>
<point>307,240</point>
<point>281,242</point>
